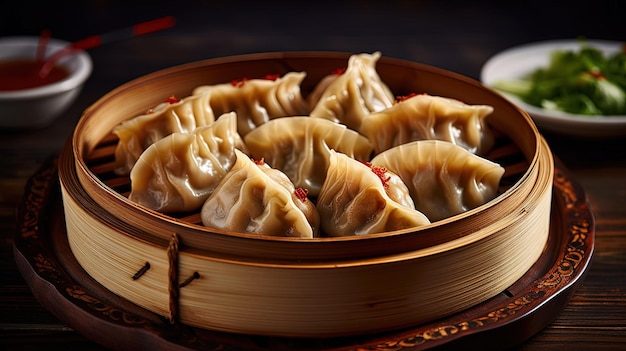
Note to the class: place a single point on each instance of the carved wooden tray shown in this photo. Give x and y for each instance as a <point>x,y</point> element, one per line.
<point>62,286</point>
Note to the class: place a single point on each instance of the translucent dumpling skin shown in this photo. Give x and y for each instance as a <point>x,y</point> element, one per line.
<point>394,185</point>
<point>347,97</point>
<point>178,172</point>
<point>253,199</point>
<point>256,101</point>
<point>353,201</point>
<point>300,146</point>
<point>428,117</point>
<point>444,179</point>
<point>173,116</point>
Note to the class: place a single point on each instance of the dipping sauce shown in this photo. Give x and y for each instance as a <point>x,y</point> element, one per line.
<point>24,74</point>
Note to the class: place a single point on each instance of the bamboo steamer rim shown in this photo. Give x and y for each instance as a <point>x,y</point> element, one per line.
<point>216,240</point>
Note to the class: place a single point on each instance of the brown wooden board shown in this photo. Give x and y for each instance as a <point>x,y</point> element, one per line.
<point>62,286</point>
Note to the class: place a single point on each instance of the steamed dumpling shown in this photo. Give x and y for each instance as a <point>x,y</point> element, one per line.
<point>300,146</point>
<point>427,117</point>
<point>253,198</point>
<point>352,95</point>
<point>180,171</point>
<point>353,201</point>
<point>171,116</point>
<point>444,179</point>
<point>299,195</point>
<point>257,101</point>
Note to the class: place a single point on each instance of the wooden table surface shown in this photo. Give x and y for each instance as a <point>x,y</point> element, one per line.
<point>454,35</point>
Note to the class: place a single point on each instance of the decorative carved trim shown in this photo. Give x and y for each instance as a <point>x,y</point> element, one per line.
<point>579,227</point>
<point>30,215</point>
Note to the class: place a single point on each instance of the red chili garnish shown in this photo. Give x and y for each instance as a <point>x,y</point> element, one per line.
<point>381,172</point>
<point>273,77</point>
<point>301,194</point>
<point>239,82</point>
<point>339,71</point>
<point>172,99</point>
<point>260,162</point>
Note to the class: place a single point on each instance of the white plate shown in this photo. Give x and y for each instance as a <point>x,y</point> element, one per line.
<point>518,61</point>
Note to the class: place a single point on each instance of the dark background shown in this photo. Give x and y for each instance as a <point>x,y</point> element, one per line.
<point>455,35</point>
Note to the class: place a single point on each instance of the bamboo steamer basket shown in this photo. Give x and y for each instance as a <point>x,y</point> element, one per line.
<point>322,287</point>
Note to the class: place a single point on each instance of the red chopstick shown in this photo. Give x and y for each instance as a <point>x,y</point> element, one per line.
<point>42,45</point>
<point>106,38</point>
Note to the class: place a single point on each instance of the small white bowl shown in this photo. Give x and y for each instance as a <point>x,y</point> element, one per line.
<point>37,107</point>
<point>516,62</point>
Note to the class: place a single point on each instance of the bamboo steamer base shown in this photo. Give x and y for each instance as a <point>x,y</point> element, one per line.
<point>45,260</point>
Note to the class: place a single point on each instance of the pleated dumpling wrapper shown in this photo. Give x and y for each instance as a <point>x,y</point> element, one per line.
<point>348,96</point>
<point>300,145</point>
<point>180,171</point>
<point>353,201</point>
<point>428,117</point>
<point>172,116</point>
<point>258,100</point>
<point>444,179</point>
<point>257,199</point>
